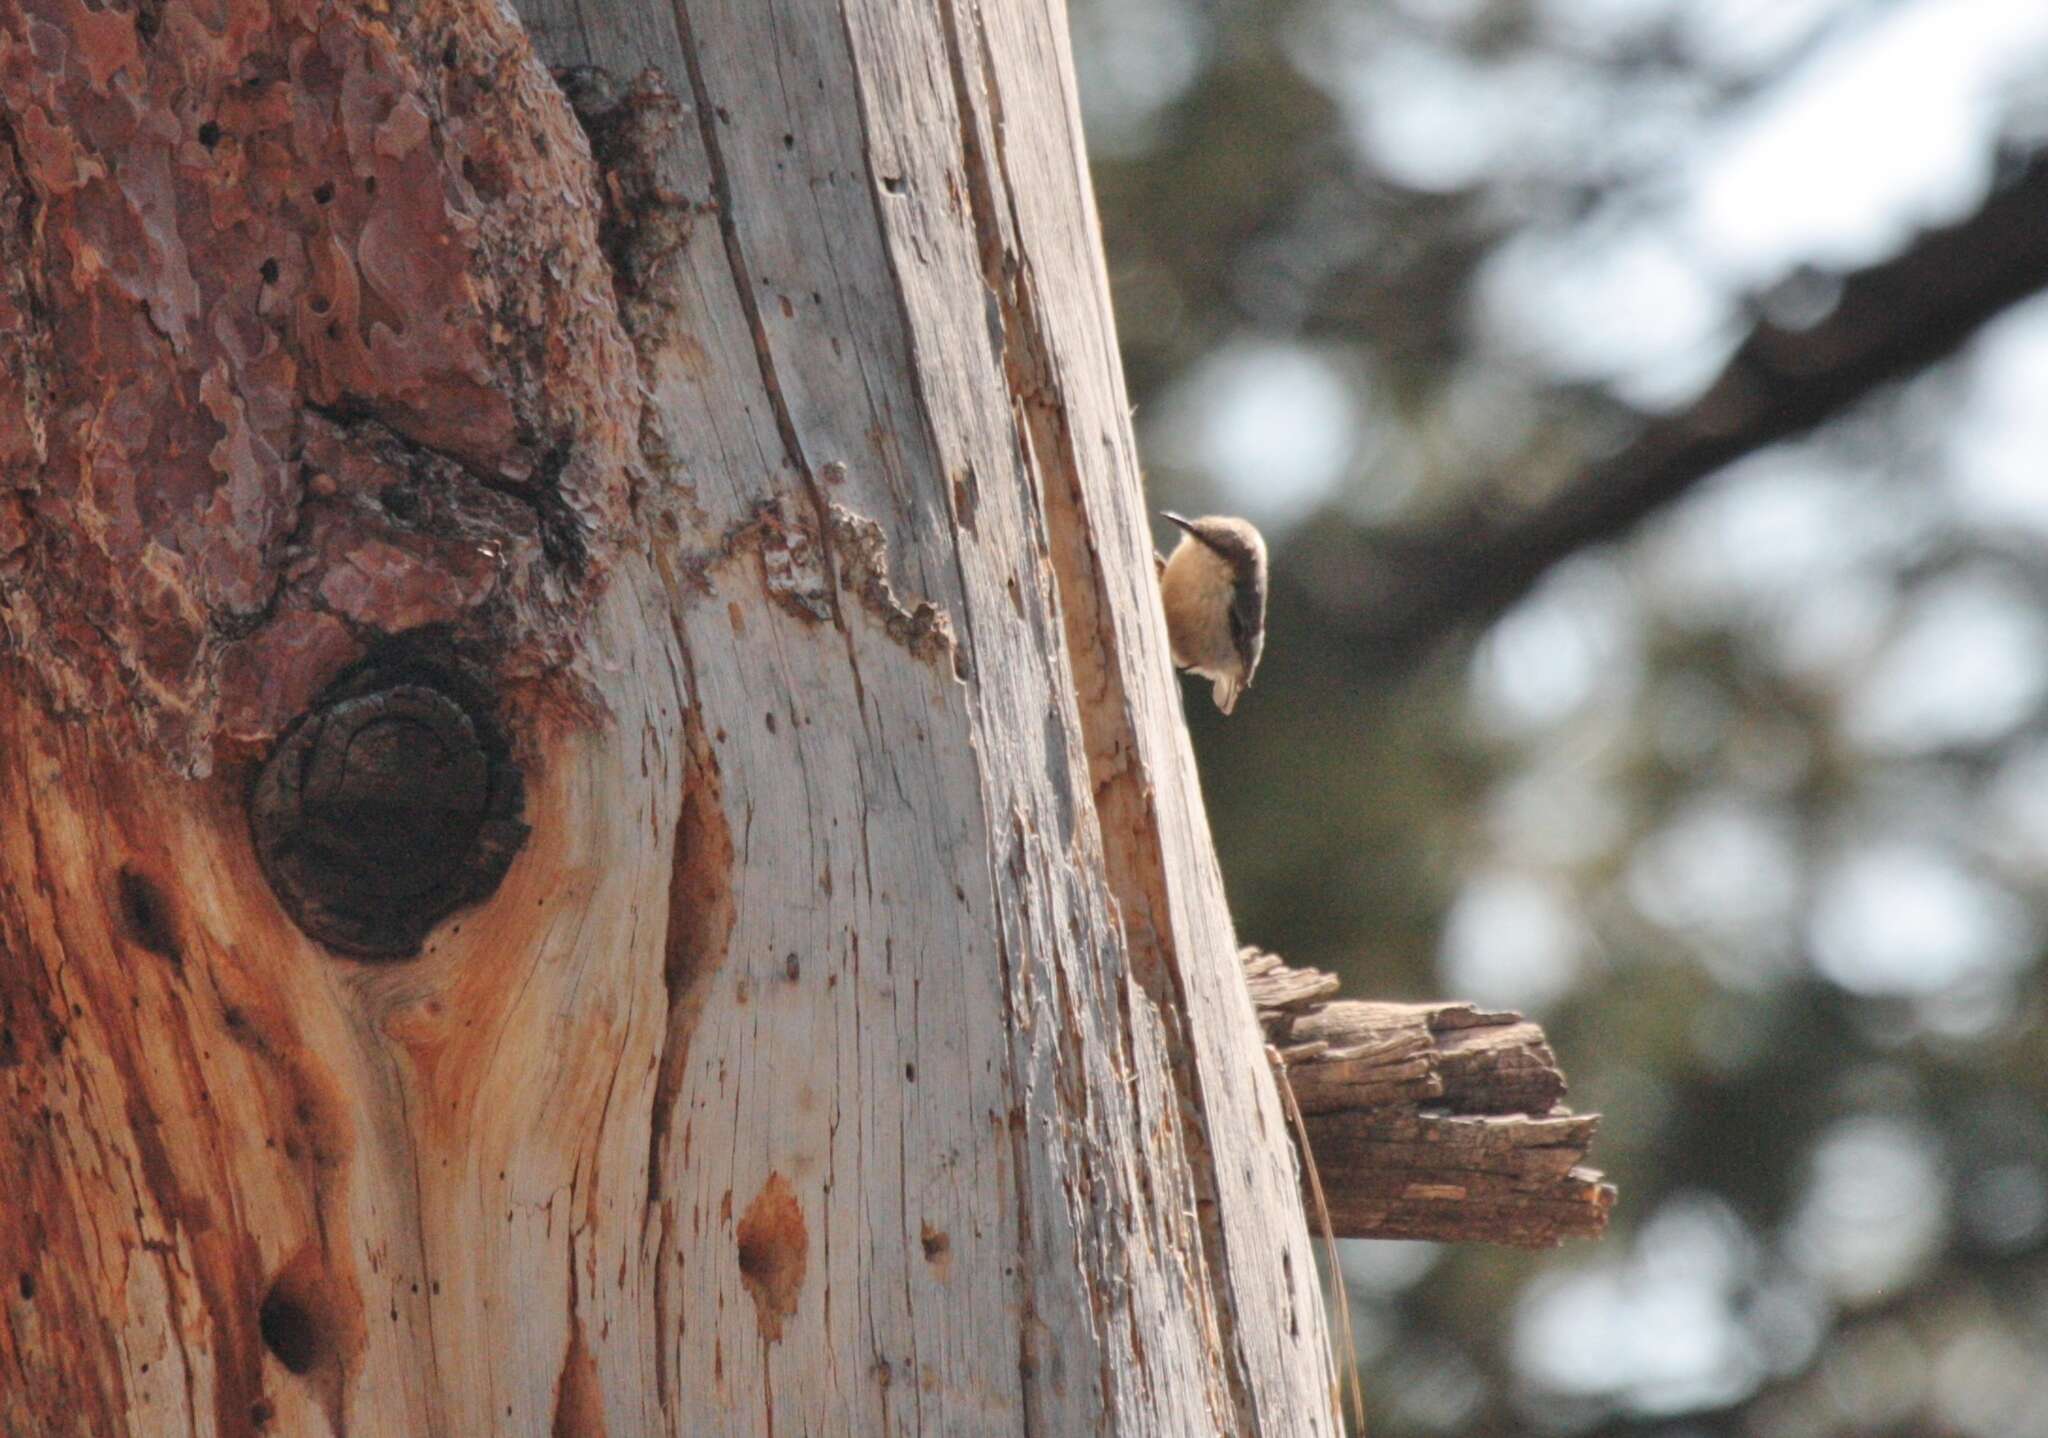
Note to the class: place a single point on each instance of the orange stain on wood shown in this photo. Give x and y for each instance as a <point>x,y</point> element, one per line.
<point>774,1247</point>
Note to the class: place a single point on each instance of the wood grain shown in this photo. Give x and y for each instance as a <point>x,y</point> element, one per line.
<point>1440,1121</point>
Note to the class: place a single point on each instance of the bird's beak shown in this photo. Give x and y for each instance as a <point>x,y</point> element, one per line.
<point>1225,692</point>
<point>1175,519</point>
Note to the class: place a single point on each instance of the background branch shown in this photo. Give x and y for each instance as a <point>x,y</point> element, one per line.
<point>1891,322</point>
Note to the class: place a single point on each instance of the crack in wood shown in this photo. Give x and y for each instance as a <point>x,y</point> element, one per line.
<point>579,1391</point>
<point>735,252</point>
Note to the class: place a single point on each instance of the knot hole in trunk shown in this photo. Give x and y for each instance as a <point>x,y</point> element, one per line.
<point>389,804</point>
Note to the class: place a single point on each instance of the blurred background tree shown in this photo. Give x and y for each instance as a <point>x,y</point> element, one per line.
<point>1659,643</point>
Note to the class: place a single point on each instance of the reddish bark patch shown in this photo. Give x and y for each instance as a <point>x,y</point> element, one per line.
<point>774,1246</point>
<point>268,679</point>
<point>230,250</point>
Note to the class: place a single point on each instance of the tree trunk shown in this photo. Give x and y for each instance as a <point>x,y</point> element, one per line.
<point>595,832</point>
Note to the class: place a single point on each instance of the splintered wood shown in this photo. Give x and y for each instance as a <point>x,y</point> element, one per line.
<point>1439,1120</point>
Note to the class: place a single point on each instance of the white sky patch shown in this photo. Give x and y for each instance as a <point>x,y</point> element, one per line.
<point>1748,36</point>
<point>1558,810</point>
<point>1571,641</point>
<point>1384,1266</point>
<point>1884,132</point>
<point>1773,531</point>
<point>1998,444</point>
<point>1729,870</point>
<point>1610,21</point>
<point>1908,920</point>
<point>1658,1332</point>
<point>1828,636</point>
<point>1968,665</point>
<point>1875,1208</point>
<point>1274,425</point>
<point>1132,59</point>
<point>1435,119</point>
<point>1884,129</point>
<point>1512,940</point>
<point>1630,309</point>
<point>1430,122</point>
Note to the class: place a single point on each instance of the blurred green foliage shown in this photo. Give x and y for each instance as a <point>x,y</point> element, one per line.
<point>1749,806</point>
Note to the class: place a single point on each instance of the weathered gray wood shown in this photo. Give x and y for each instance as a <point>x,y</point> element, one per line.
<point>905,236</point>
<point>1439,1120</point>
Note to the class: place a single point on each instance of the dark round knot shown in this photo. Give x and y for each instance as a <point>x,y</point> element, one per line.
<point>380,812</point>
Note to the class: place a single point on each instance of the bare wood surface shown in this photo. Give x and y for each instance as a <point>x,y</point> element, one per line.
<point>1439,1121</point>
<point>928,197</point>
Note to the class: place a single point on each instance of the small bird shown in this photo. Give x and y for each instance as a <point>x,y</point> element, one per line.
<point>1214,589</point>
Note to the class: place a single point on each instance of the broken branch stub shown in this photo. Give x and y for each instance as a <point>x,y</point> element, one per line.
<point>383,809</point>
<point>1438,1121</point>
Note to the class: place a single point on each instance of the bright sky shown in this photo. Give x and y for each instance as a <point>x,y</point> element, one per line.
<point>1885,128</point>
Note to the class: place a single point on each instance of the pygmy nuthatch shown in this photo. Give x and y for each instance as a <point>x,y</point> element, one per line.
<point>1214,588</point>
